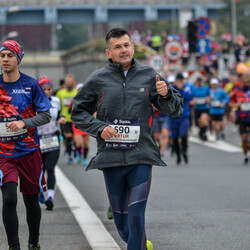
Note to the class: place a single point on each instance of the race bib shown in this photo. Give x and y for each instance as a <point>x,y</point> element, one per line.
<point>67,101</point>
<point>49,143</point>
<point>215,103</point>
<point>128,134</point>
<point>245,106</point>
<point>6,134</point>
<point>201,100</point>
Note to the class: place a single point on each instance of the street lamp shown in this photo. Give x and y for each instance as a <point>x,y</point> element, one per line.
<point>234,20</point>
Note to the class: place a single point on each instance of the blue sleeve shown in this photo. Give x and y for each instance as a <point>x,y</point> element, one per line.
<point>193,89</point>
<point>40,100</point>
<point>209,91</point>
<point>187,94</point>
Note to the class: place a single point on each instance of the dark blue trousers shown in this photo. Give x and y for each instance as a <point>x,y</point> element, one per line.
<point>128,188</point>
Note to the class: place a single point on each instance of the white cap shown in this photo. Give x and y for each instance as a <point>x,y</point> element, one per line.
<point>185,74</point>
<point>214,81</point>
<point>171,78</point>
<point>79,85</point>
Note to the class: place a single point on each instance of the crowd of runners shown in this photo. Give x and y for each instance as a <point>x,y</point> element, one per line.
<point>158,116</point>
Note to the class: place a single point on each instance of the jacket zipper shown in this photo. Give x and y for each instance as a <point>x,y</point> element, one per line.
<point>124,113</point>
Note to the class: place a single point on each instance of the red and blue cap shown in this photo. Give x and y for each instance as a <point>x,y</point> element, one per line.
<point>45,82</point>
<point>14,47</point>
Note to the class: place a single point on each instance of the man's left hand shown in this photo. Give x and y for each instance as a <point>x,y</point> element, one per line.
<point>161,86</point>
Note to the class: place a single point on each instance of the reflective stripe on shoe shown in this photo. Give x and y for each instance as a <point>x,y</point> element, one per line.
<point>34,247</point>
<point>49,203</point>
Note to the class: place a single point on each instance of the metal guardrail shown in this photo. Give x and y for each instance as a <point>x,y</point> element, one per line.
<point>103,2</point>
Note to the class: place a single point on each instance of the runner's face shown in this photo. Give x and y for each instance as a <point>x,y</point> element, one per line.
<point>8,62</point>
<point>121,51</point>
<point>70,82</point>
<point>179,83</point>
<point>214,86</point>
<point>233,78</point>
<point>199,83</point>
<point>48,91</point>
<point>245,78</point>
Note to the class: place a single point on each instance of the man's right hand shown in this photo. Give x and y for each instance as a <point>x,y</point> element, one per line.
<point>108,132</point>
<point>15,125</point>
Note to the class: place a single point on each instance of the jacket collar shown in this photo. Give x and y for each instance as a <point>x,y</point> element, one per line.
<point>118,66</point>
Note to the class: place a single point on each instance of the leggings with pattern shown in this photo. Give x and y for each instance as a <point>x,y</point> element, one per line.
<point>128,189</point>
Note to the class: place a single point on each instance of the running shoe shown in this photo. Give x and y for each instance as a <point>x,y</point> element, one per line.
<point>222,135</point>
<point>246,161</point>
<point>15,248</point>
<point>79,157</point>
<point>178,160</point>
<point>85,162</point>
<point>204,138</point>
<point>110,213</point>
<point>49,203</point>
<point>33,247</point>
<point>41,198</point>
<point>185,157</point>
<point>75,153</point>
<point>60,137</point>
<point>149,245</point>
<point>70,160</point>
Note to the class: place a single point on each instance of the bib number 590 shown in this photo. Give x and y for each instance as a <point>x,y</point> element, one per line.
<point>122,130</point>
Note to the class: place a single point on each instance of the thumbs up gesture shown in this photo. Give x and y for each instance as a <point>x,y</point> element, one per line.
<point>161,86</point>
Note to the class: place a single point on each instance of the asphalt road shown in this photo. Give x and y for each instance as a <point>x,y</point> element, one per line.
<point>204,205</point>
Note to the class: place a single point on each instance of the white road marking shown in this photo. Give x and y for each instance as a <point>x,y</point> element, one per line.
<point>92,227</point>
<point>221,145</point>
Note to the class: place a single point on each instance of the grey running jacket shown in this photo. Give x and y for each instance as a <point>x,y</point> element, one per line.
<point>115,96</point>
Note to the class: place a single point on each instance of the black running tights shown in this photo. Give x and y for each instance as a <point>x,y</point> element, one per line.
<point>184,144</point>
<point>49,162</point>
<point>10,218</point>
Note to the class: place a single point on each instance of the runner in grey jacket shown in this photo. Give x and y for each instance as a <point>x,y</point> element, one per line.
<point>122,94</point>
<point>115,96</point>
